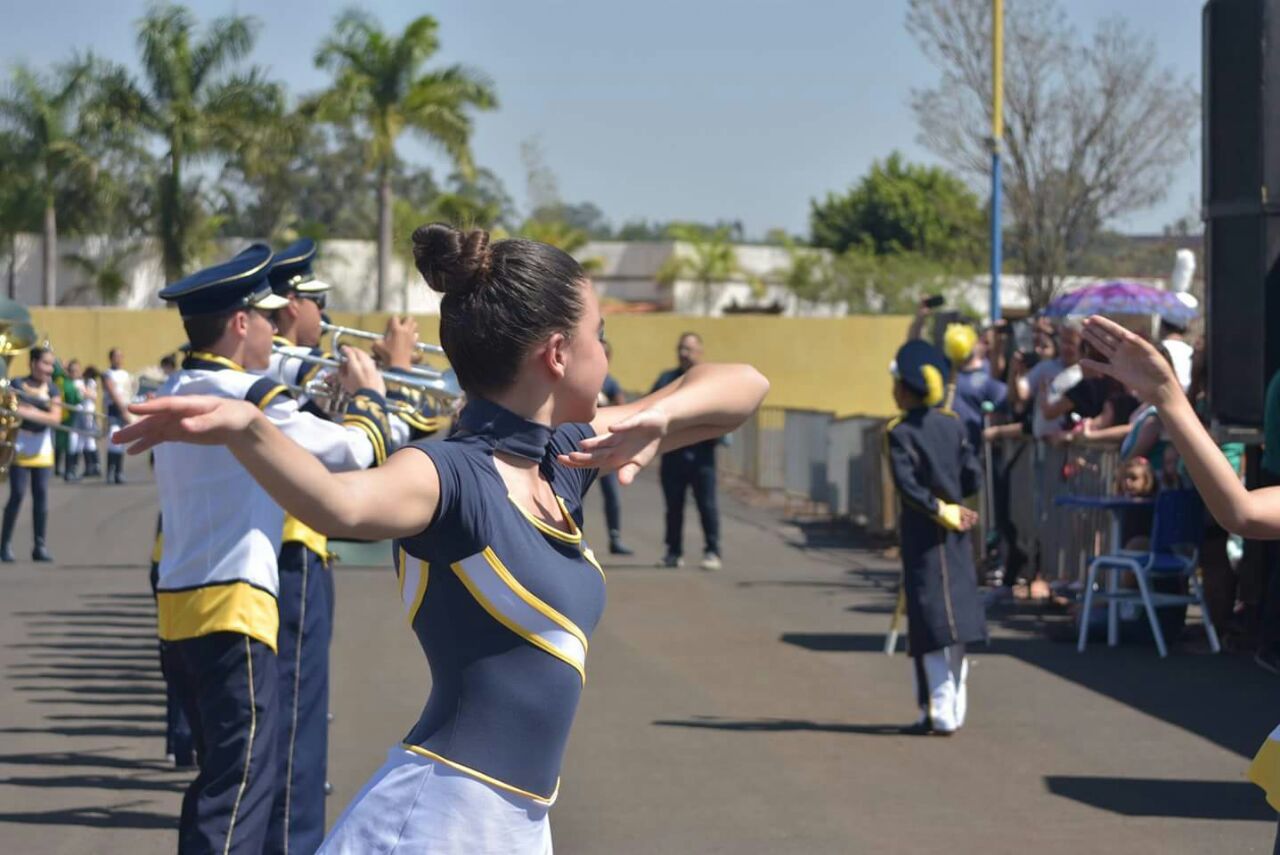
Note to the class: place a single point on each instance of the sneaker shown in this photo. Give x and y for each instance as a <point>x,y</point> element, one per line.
<point>1268,660</point>
<point>6,554</point>
<point>40,553</point>
<point>710,561</point>
<point>671,560</point>
<point>616,547</point>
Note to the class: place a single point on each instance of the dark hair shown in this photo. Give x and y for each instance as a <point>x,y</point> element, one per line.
<point>91,373</point>
<point>112,352</point>
<point>203,331</point>
<point>167,361</point>
<point>37,353</point>
<point>499,300</point>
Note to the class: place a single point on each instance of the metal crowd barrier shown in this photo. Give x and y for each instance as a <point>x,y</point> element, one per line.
<point>838,465</point>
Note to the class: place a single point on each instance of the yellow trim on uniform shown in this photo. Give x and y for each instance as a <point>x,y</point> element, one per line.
<point>43,460</point>
<point>157,549</point>
<point>248,756</point>
<point>421,593</point>
<point>296,531</point>
<point>477,774</point>
<point>271,396</point>
<point>229,607</point>
<point>281,340</point>
<point>213,357</point>
<point>523,593</point>
<point>591,559</point>
<point>573,536</point>
<point>400,571</point>
<point>497,615</point>
<point>370,427</point>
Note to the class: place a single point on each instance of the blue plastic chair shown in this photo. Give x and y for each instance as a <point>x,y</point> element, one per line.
<point>1176,534</point>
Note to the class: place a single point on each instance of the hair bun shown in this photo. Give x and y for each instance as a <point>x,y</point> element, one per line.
<point>452,261</point>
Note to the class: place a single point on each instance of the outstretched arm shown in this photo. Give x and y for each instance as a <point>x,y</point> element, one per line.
<point>706,402</point>
<point>394,500</point>
<point>1137,364</point>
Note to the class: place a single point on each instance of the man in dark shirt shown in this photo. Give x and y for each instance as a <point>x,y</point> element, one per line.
<point>611,395</point>
<point>691,467</point>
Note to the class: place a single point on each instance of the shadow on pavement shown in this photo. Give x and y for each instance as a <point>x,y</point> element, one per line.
<point>1225,800</point>
<point>780,725</point>
<point>1219,698</point>
<point>94,817</point>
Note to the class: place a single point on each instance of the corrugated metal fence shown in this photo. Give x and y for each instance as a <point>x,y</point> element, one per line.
<point>838,467</point>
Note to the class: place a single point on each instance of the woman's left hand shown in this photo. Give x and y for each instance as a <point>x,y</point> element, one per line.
<point>628,447</point>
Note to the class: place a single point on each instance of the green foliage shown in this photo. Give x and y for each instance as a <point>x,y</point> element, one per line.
<point>105,275</point>
<point>899,207</point>
<point>706,258</point>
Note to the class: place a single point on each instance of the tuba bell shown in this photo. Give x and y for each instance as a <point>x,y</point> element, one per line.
<point>16,335</point>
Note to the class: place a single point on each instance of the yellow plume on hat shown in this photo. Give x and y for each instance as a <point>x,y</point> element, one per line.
<point>958,342</point>
<point>933,385</point>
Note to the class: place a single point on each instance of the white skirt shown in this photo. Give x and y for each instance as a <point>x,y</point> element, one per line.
<point>413,804</point>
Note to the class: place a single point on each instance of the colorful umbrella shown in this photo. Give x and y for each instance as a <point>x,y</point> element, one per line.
<point>1122,298</point>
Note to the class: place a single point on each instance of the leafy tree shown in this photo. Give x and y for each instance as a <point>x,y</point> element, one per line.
<point>706,259</point>
<point>902,207</point>
<point>381,88</point>
<point>195,106</point>
<point>43,116</point>
<point>1094,129</point>
<point>105,275</point>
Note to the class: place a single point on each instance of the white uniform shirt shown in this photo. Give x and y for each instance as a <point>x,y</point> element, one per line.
<point>221,529</point>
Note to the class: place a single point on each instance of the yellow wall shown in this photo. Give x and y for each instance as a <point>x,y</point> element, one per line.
<point>834,364</point>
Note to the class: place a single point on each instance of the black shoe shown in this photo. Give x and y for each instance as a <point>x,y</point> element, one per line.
<point>40,553</point>
<point>6,554</point>
<point>671,560</point>
<point>616,547</point>
<point>118,478</point>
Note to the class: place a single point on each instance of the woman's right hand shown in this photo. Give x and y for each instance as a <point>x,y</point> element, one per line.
<point>197,419</point>
<point>1130,359</point>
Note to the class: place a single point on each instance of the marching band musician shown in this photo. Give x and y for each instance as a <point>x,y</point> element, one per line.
<point>307,594</point>
<point>41,409</point>
<point>218,581</point>
<point>934,468</point>
<point>118,387</point>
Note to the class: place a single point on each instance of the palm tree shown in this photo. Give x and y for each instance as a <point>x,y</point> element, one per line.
<point>561,235</point>
<point>43,115</point>
<point>709,259</point>
<point>379,84</point>
<point>19,206</point>
<point>106,274</point>
<point>196,106</point>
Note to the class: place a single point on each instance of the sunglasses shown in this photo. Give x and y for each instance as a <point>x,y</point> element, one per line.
<point>321,300</point>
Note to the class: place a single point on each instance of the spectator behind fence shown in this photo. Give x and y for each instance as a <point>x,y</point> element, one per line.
<point>693,468</point>
<point>611,396</point>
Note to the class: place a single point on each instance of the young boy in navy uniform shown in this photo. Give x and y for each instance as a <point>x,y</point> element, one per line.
<point>218,582</point>
<point>934,469</point>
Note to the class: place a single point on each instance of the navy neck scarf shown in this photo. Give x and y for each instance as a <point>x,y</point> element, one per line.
<point>504,430</point>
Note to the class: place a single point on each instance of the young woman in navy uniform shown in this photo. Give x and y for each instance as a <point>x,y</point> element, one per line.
<point>934,469</point>
<point>41,409</point>
<point>495,577</point>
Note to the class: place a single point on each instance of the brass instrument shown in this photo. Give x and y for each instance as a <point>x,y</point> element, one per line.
<point>338,331</point>
<point>441,385</point>
<point>16,335</point>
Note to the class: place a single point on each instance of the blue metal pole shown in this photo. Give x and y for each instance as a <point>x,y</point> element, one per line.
<point>997,250</point>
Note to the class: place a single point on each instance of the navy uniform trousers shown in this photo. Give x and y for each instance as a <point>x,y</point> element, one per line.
<point>178,740</point>
<point>306,628</point>
<point>229,684</point>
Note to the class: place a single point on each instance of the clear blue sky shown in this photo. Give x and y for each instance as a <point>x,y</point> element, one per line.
<point>666,109</point>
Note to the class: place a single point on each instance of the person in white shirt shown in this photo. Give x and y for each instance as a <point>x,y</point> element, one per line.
<point>218,581</point>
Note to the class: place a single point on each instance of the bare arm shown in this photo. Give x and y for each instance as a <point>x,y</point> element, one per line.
<point>707,402</point>
<point>1137,364</point>
<point>395,500</point>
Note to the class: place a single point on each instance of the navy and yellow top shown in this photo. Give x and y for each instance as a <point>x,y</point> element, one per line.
<point>503,605</point>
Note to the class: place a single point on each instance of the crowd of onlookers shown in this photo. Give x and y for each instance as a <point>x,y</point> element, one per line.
<point>1023,381</point>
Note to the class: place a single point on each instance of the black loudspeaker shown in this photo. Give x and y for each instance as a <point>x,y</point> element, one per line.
<point>1241,186</point>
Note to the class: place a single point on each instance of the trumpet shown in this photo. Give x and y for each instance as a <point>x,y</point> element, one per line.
<point>16,335</point>
<point>338,332</point>
<point>442,385</point>
<point>22,397</point>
